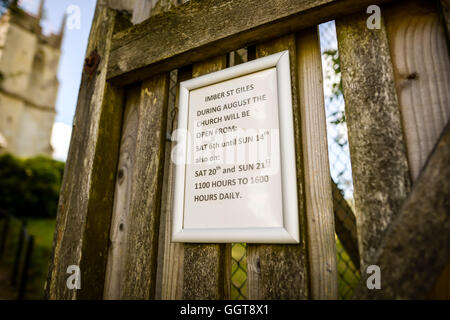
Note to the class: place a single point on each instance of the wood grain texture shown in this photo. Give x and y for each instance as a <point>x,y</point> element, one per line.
<point>444,9</point>
<point>173,255</point>
<point>165,201</point>
<point>139,186</point>
<point>422,74</point>
<point>379,161</point>
<point>122,198</point>
<point>86,198</point>
<point>416,245</point>
<point>147,186</point>
<point>183,39</point>
<point>204,271</point>
<point>319,202</point>
<point>281,271</point>
<point>345,225</point>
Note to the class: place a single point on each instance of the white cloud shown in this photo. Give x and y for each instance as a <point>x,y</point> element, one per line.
<point>61,140</point>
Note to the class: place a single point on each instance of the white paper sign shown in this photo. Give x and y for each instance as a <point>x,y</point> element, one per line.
<point>235,175</point>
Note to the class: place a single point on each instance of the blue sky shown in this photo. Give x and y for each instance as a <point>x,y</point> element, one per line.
<point>70,65</point>
<point>73,49</point>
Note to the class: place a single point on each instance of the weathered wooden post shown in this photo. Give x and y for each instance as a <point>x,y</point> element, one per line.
<point>396,109</point>
<point>84,211</point>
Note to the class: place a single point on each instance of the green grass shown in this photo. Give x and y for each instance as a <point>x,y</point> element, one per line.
<point>42,230</point>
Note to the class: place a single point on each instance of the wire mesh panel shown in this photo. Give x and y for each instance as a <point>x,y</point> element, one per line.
<point>171,103</point>
<point>239,271</point>
<point>340,166</point>
<point>347,272</point>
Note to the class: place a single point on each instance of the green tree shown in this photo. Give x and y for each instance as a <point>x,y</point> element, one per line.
<point>30,187</point>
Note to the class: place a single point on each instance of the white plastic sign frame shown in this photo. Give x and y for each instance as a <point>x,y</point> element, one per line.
<point>289,232</point>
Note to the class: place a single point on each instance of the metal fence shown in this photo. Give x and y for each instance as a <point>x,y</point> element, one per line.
<point>239,271</point>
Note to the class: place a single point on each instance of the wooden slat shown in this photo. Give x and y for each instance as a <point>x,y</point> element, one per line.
<point>171,254</point>
<point>422,74</point>
<point>165,201</point>
<point>138,197</point>
<point>86,198</point>
<point>345,225</point>
<point>204,264</point>
<point>183,39</point>
<point>204,272</point>
<point>319,202</point>
<point>444,8</point>
<point>172,277</point>
<point>147,187</point>
<point>122,199</point>
<point>416,246</point>
<point>379,162</point>
<point>281,271</point>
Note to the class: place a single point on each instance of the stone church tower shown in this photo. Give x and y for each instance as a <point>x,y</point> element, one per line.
<point>28,83</point>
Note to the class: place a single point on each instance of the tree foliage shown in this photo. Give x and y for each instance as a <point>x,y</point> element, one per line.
<point>336,88</point>
<point>30,187</point>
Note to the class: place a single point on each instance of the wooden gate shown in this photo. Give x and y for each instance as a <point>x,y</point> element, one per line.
<point>114,214</point>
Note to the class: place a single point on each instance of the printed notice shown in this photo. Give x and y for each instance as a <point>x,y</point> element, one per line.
<point>233,174</point>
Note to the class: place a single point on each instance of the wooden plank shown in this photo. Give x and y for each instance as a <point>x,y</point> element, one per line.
<point>122,198</point>
<point>172,277</point>
<point>173,252</point>
<point>204,271</point>
<point>319,201</point>
<point>379,162</point>
<point>345,225</point>
<point>416,246</point>
<point>147,186</point>
<point>444,9</point>
<point>85,203</point>
<point>165,202</point>
<point>183,39</point>
<point>281,271</point>
<point>133,267</point>
<point>422,75</point>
